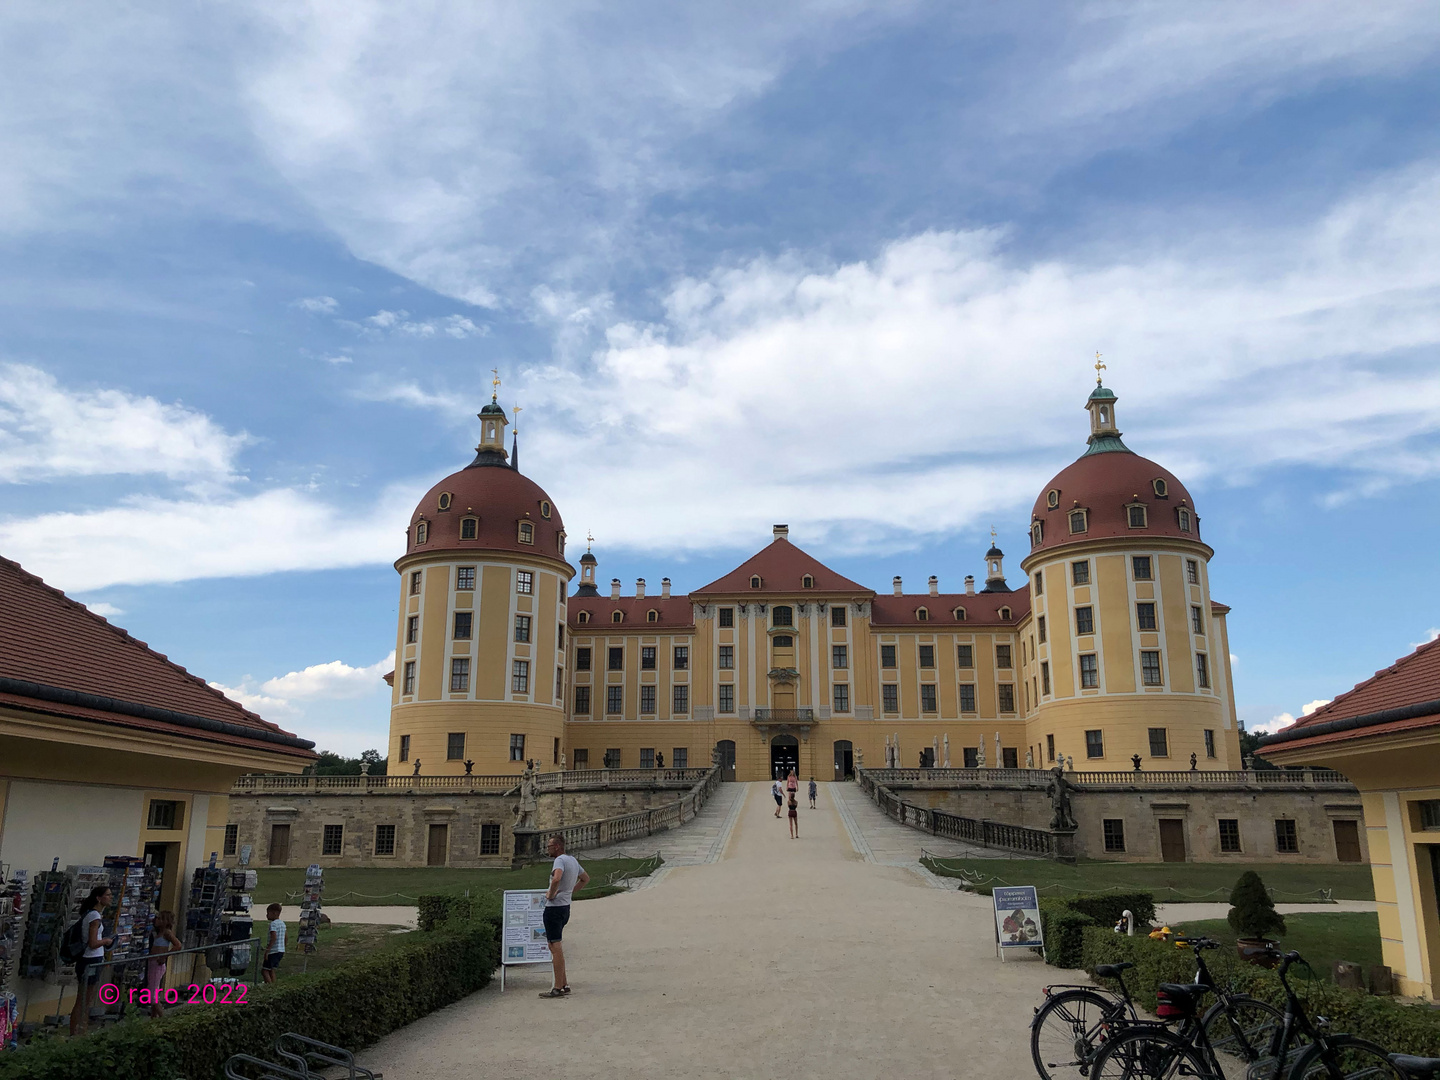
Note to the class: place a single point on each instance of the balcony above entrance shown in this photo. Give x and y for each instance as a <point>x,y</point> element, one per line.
<point>783,721</point>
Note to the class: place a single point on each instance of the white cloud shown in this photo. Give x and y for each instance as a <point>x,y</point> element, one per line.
<point>104,610</point>
<point>336,679</point>
<point>1234,660</point>
<point>324,702</point>
<point>1275,723</point>
<point>399,322</point>
<point>276,710</point>
<point>340,358</point>
<point>49,431</point>
<point>1311,706</point>
<point>1430,635</point>
<point>319,305</point>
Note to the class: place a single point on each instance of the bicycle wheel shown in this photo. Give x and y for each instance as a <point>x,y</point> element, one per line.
<point>1066,1030</point>
<point>1149,1052</point>
<point>1344,1057</point>
<point>1241,1031</point>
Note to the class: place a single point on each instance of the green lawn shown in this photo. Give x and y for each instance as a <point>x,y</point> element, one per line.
<point>338,943</point>
<point>1289,883</point>
<point>369,886</point>
<point>1320,937</point>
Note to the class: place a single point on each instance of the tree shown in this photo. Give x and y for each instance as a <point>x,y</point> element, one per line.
<point>1252,912</point>
<point>333,764</point>
<point>1250,744</point>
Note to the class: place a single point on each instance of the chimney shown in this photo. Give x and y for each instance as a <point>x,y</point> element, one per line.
<point>640,588</point>
<point>614,588</point>
<point>665,587</point>
<point>781,532</point>
<point>896,583</point>
<point>969,584</point>
<point>934,585</point>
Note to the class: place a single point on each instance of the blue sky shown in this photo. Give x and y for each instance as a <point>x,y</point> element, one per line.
<point>841,265</point>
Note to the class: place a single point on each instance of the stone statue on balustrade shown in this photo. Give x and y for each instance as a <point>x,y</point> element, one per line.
<point>417,768</point>
<point>1029,758</point>
<point>1061,815</point>
<point>469,767</point>
<point>529,801</point>
<point>859,758</point>
<point>980,754</point>
<point>999,757</point>
<point>947,750</point>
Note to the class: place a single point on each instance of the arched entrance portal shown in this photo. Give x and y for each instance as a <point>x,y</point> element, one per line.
<point>844,760</point>
<point>725,748</point>
<point>784,755</point>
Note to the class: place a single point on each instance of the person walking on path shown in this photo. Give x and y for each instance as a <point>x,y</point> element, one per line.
<point>275,944</point>
<point>794,812</point>
<point>779,793</point>
<point>163,942</point>
<point>792,782</point>
<point>566,876</point>
<point>813,792</point>
<point>87,968</point>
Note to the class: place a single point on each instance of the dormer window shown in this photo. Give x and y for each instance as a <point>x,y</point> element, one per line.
<point>1005,613</point>
<point>584,617</point>
<point>1037,533</point>
<point>807,582</point>
<point>1052,498</point>
<point>1078,522</point>
<point>652,615</point>
<point>527,532</point>
<point>545,509</point>
<point>444,501</point>
<point>754,581</point>
<point>1136,513</point>
<point>1162,489</point>
<point>1184,518</point>
<point>959,614</point>
<point>616,617</point>
<point>922,614</point>
<point>422,532</point>
<point>469,528</point>
<point>560,544</point>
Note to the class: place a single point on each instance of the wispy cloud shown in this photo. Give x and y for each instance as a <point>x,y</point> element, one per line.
<point>104,610</point>
<point>399,322</point>
<point>319,305</point>
<point>341,706</point>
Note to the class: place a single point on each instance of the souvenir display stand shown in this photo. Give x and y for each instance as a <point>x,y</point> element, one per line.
<point>12,932</point>
<point>45,923</point>
<point>310,910</point>
<point>219,913</point>
<point>131,917</point>
<point>236,922</point>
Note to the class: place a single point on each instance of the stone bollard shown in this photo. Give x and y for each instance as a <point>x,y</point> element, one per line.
<point>1347,975</point>
<point>1381,980</point>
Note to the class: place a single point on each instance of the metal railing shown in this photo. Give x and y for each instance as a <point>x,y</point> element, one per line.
<point>784,715</point>
<point>613,830</point>
<point>1118,777</point>
<point>991,834</point>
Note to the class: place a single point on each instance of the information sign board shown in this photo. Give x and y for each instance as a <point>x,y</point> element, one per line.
<point>523,936</point>
<point>1017,918</point>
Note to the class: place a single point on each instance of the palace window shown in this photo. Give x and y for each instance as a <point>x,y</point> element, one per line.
<point>1114,834</point>
<point>647,700</point>
<point>1089,671</point>
<point>412,629</point>
<point>1040,628</point>
<point>682,657</point>
<point>1052,498</point>
<point>616,617</point>
<point>517,747</point>
<point>560,635</point>
<point>727,657</point>
<point>680,757</point>
<point>726,702</point>
<point>1287,842</point>
<point>415,583</point>
<point>465,578</point>
<point>1141,566</point>
<point>839,657</point>
<point>1145,616</point>
<point>928,698</point>
<point>422,532</point>
<point>1137,516</point>
<point>583,617</point>
<point>524,581</point>
<point>616,659</point>
<point>652,615</point>
<point>1209,743</point>
<point>807,582</point>
<point>1085,620</point>
<point>1183,516</point>
<point>582,758</point>
<point>614,700</point>
<point>612,758</point>
<point>965,656</point>
<point>1159,742</point>
<point>545,509</point>
<point>837,614</point>
<point>967,697</point>
<point>1192,571</point>
<point>527,533</point>
<point>520,677</point>
<point>404,747</point>
<point>1037,533</point>
<point>469,528</point>
<point>922,614</point>
<point>840,697</point>
<point>582,700</point>
<point>1161,489</point>
<point>1050,747</point>
<point>332,842</point>
<point>459,675</point>
<point>1045,677</point>
<point>1095,744</point>
<point>1202,670</point>
<point>455,746</point>
<point>680,700</point>
<point>464,620</point>
<point>927,656</point>
<point>1006,694</point>
<point>490,831</point>
<point>1077,521</point>
<point>1002,657</point>
<point>1039,582</point>
<point>754,581</point>
<point>781,616</point>
<point>166,814</point>
<point>887,656</point>
<point>783,641</point>
<point>232,839</point>
<point>522,628</point>
<point>582,659</point>
<point>384,839</point>
<point>445,500</point>
<point>727,616</point>
<point>407,685</point>
<point>959,614</point>
<point>559,685</point>
<point>1197,619</point>
<point>890,698</point>
<point>647,658</point>
<point>1005,614</point>
<point>647,757</point>
<point>1080,572</point>
<point>1150,673</point>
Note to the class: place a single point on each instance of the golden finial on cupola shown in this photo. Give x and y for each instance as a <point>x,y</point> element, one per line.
<point>1099,367</point>
<point>495,385</point>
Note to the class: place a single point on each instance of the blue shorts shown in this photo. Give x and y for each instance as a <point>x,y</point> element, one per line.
<point>272,960</point>
<point>556,917</point>
<point>87,969</point>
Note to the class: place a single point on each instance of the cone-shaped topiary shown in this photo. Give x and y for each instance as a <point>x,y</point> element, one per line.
<point>1252,912</point>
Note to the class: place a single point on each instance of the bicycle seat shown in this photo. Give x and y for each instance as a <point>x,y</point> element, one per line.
<point>1112,971</point>
<point>1416,1068</point>
<point>1174,1000</point>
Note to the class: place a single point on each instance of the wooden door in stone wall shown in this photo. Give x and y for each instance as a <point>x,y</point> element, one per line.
<point>1347,841</point>
<point>1172,840</point>
<point>279,845</point>
<point>438,841</point>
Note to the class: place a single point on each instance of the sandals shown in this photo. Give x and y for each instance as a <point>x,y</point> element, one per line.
<point>553,993</point>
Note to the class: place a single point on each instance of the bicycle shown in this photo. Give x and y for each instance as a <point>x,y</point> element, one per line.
<point>1301,1049</point>
<point>1072,1026</point>
<point>1416,1068</point>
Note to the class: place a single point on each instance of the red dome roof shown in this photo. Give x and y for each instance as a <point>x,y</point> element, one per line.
<point>500,499</point>
<point>1106,485</point>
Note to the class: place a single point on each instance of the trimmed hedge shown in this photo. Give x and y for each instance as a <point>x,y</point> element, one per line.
<point>1064,921</point>
<point>353,1006</point>
<point>1400,1028</point>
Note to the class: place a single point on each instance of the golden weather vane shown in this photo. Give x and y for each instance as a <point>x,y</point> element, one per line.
<point>495,384</point>
<point>517,409</point>
<point>1099,367</point>
<point>589,539</point>
<point>993,536</point>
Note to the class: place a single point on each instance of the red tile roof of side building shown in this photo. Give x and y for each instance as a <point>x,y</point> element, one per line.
<point>982,609</point>
<point>1401,697</point>
<point>672,612</point>
<point>782,568</point>
<point>59,658</point>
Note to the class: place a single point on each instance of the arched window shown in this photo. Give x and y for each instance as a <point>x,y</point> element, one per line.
<point>652,615</point>
<point>1037,533</point>
<point>1162,489</point>
<point>469,528</point>
<point>754,581</point>
<point>1005,613</point>
<point>1136,514</point>
<point>1104,415</point>
<point>1052,498</point>
<point>584,617</point>
<point>1184,517</point>
<point>783,641</point>
<point>527,532</point>
<point>422,532</point>
<point>1078,523</point>
<point>782,616</point>
<point>444,500</point>
<point>545,509</point>
<point>959,614</point>
<point>923,614</point>
<point>616,616</point>
<point>560,544</point>
<point>807,582</point>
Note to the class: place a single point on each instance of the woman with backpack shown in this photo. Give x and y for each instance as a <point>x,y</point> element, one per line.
<point>87,968</point>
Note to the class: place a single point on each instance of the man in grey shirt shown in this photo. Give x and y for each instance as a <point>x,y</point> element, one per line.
<point>566,876</point>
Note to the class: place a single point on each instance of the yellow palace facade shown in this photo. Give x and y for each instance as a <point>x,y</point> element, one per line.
<point>1108,651</point>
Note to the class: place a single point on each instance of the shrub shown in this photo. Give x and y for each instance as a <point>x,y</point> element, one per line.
<point>1064,920</point>
<point>1405,1029</point>
<point>1252,912</point>
<point>352,1005</point>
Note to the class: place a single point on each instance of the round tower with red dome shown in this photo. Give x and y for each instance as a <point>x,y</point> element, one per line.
<point>1127,653</point>
<point>480,648</point>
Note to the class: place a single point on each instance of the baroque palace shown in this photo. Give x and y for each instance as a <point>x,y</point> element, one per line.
<point>1109,651</point>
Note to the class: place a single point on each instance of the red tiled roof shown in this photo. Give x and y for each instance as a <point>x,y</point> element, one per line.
<point>782,568</point>
<point>673,612</point>
<point>49,643</point>
<point>980,608</point>
<point>1105,484</point>
<point>1400,693</point>
<point>500,499</point>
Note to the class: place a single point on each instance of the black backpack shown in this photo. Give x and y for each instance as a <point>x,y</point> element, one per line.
<point>72,945</point>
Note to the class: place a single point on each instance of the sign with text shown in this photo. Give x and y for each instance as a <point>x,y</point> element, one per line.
<point>1017,917</point>
<point>523,939</point>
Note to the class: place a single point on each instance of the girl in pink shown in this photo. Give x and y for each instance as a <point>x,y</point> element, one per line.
<point>163,942</point>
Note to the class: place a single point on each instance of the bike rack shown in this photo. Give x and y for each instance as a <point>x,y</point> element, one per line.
<point>303,1055</point>
<point>268,1069</point>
